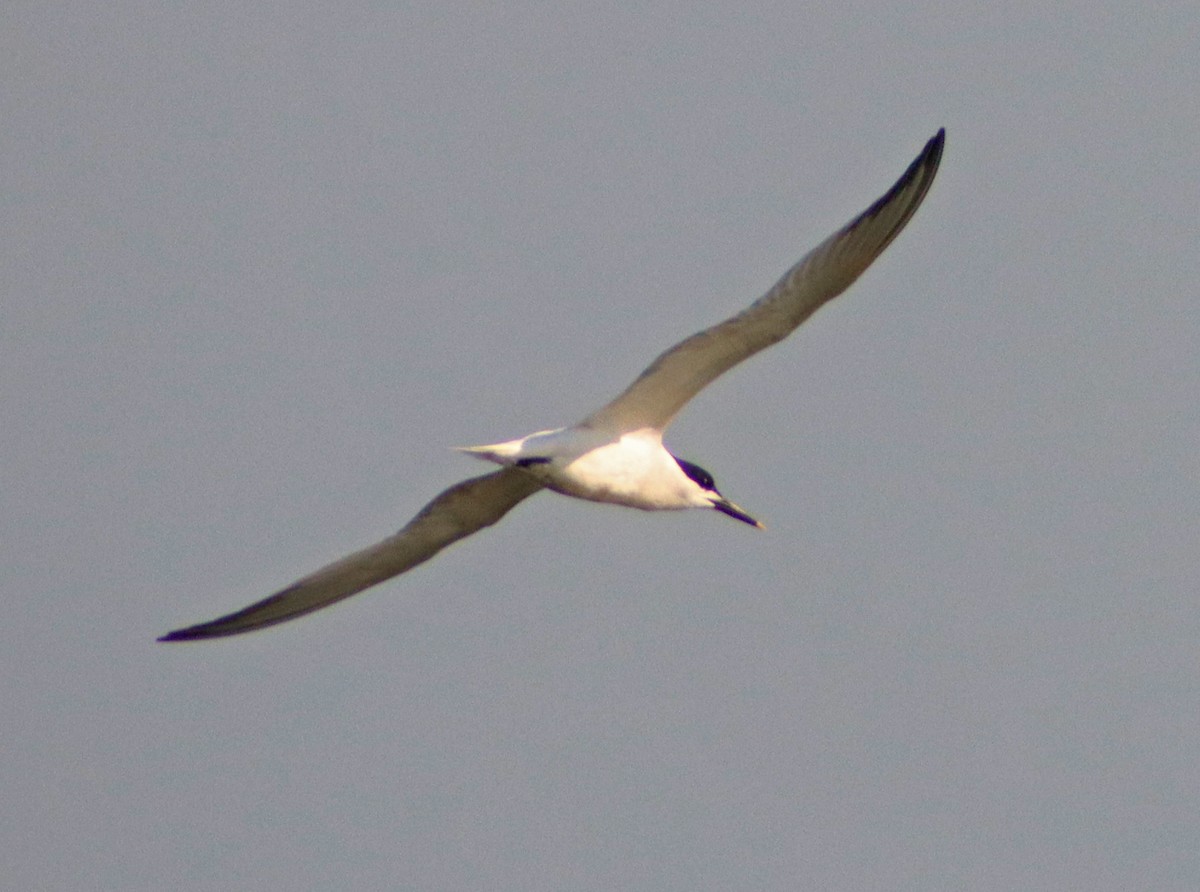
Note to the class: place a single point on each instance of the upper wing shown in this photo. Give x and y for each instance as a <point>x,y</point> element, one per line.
<point>458,512</point>
<point>684,370</point>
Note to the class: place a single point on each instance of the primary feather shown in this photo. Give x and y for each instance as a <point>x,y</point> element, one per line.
<point>684,370</point>
<point>458,512</point>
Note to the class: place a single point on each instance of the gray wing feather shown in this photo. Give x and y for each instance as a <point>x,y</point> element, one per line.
<point>458,512</point>
<point>681,372</point>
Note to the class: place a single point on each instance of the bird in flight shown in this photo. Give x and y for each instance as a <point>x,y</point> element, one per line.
<point>616,454</point>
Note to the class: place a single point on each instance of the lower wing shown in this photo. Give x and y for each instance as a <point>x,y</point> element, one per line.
<point>458,512</point>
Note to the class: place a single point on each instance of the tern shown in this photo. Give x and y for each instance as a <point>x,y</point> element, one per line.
<point>616,454</point>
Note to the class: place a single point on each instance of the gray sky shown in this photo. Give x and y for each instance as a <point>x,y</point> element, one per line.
<point>263,264</point>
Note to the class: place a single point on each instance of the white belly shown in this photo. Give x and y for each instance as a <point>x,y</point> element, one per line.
<point>635,471</point>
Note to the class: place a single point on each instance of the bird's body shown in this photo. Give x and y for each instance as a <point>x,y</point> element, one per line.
<point>616,454</point>
<point>631,469</point>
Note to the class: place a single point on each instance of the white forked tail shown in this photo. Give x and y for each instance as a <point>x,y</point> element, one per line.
<point>535,448</point>
<point>500,453</point>
<point>510,451</point>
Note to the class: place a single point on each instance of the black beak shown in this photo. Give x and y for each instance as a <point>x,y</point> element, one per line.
<point>725,506</point>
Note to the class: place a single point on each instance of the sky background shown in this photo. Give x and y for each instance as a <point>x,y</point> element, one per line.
<point>262,264</point>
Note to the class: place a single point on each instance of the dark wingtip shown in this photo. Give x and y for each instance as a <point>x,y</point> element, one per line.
<point>931,155</point>
<point>218,628</point>
<point>923,169</point>
<point>936,143</point>
<point>928,160</point>
<point>180,635</point>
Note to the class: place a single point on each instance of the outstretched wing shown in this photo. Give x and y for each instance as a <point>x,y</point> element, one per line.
<point>458,512</point>
<point>681,372</point>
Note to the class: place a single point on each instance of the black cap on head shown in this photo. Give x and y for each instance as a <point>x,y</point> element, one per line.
<point>702,478</point>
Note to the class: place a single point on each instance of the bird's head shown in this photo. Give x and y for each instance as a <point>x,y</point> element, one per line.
<point>710,493</point>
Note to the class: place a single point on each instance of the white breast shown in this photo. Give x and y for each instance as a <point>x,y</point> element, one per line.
<point>634,470</point>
